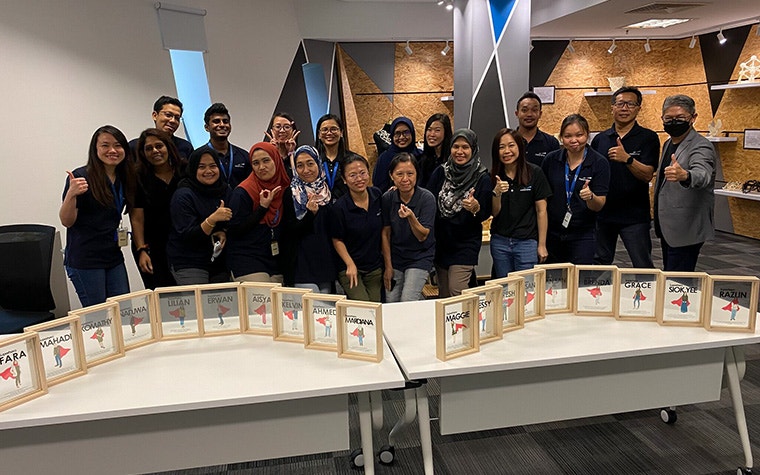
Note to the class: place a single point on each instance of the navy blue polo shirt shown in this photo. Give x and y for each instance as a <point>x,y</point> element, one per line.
<point>91,242</point>
<point>249,241</point>
<point>406,250</point>
<point>241,165</point>
<point>359,230</point>
<point>539,147</point>
<point>595,168</point>
<point>628,199</point>
<point>517,218</point>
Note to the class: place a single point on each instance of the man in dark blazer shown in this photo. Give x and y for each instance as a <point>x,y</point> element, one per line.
<point>684,201</point>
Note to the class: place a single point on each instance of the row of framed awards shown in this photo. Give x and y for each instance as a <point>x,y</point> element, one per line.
<point>64,348</point>
<point>696,299</point>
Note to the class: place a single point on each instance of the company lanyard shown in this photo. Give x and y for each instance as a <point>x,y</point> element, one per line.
<point>330,177</point>
<point>228,172</point>
<point>118,197</point>
<point>570,186</point>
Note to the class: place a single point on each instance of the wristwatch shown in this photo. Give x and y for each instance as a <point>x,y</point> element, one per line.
<point>630,160</point>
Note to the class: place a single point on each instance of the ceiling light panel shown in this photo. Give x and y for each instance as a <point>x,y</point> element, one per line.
<point>657,23</point>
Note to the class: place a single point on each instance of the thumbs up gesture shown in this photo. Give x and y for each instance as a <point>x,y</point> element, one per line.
<point>77,186</point>
<point>222,213</point>
<point>674,171</point>
<point>470,203</point>
<point>618,153</point>
<point>586,194</point>
<point>500,187</point>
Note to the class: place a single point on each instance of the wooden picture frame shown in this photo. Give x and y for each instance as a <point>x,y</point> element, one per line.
<point>178,309</point>
<point>220,309</point>
<point>731,303</point>
<point>597,290</point>
<point>138,318</point>
<point>62,346</point>
<point>489,312</point>
<point>559,288</point>
<point>287,314</point>
<point>257,307</point>
<point>638,295</point>
<point>677,310</point>
<point>533,285</point>
<point>512,298</point>
<point>101,332</point>
<point>456,327</point>
<point>321,321</point>
<point>22,374</point>
<point>360,330</point>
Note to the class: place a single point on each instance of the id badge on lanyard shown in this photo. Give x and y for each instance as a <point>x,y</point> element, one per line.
<point>122,234</point>
<point>569,188</point>
<point>274,245</point>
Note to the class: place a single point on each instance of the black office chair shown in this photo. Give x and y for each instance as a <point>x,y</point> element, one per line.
<point>26,253</point>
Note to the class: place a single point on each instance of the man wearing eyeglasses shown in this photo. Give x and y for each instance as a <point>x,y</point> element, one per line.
<point>633,153</point>
<point>167,114</point>
<point>684,201</point>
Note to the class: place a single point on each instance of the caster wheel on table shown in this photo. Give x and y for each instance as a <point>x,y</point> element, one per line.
<point>743,471</point>
<point>668,416</point>
<point>357,459</point>
<point>386,455</point>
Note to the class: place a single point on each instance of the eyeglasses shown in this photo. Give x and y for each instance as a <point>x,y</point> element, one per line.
<point>750,185</point>
<point>626,104</point>
<point>402,133</point>
<point>680,118</point>
<point>285,127</point>
<point>354,176</point>
<point>171,116</point>
<point>329,130</point>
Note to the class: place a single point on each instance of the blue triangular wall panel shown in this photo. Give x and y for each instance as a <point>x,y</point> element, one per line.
<point>500,10</point>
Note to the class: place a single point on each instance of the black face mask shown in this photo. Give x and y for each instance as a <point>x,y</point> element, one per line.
<point>676,128</point>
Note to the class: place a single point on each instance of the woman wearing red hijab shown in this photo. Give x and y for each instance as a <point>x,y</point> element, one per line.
<point>253,247</point>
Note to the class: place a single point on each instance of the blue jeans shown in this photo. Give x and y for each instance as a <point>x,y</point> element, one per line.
<point>680,259</point>
<point>510,254</point>
<point>635,238</point>
<point>94,286</point>
<point>322,288</point>
<point>409,284</point>
<point>577,247</point>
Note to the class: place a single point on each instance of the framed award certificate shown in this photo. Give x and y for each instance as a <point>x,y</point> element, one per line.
<point>682,302</point>
<point>101,332</point>
<point>21,375</point>
<point>597,290</point>
<point>731,303</point>
<point>138,318</point>
<point>638,294</point>
<point>287,312</point>
<point>512,302</point>
<point>456,326</point>
<point>61,348</point>
<point>257,299</point>
<point>534,293</point>
<point>360,330</point>
<point>489,312</point>
<point>321,321</point>
<point>559,287</point>
<point>220,309</point>
<point>178,311</point>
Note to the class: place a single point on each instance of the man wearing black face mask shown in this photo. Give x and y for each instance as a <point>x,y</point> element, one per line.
<point>684,200</point>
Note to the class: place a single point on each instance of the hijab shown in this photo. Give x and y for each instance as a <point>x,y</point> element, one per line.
<point>460,179</point>
<point>216,190</point>
<point>301,190</point>
<point>412,147</point>
<point>253,185</point>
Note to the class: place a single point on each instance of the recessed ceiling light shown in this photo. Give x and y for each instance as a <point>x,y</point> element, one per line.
<point>658,23</point>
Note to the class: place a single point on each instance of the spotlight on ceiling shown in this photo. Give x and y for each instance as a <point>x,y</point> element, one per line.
<point>450,5</point>
<point>441,2</point>
<point>570,47</point>
<point>408,48</point>
<point>446,49</point>
<point>647,47</point>
<point>693,42</point>
<point>721,37</point>
<point>612,47</point>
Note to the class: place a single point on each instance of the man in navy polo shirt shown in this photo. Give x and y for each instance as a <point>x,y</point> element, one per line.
<point>236,165</point>
<point>167,114</point>
<point>633,152</point>
<point>538,143</point>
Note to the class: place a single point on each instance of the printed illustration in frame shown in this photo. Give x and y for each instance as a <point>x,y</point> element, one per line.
<point>220,309</point>
<point>138,318</point>
<point>683,298</point>
<point>22,376</point>
<point>287,314</point>
<point>360,330</point>
<point>257,298</point>
<point>512,302</point>
<point>638,295</point>
<point>456,332</point>
<point>178,310</point>
<point>101,332</point>
<point>597,290</point>
<point>731,303</point>
<point>321,321</point>
<point>559,288</point>
<point>61,348</point>
<point>489,312</point>
<point>534,293</point>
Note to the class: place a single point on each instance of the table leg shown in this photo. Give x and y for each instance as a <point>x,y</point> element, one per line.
<point>365,427</point>
<point>423,418</point>
<point>376,400</point>
<point>734,388</point>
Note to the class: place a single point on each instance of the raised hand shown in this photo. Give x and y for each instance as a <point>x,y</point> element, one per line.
<point>267,196</point>
<point>618,153</point>
<point>500,187</point>
<point>674,171</point>
<point>312,204</point>
<point>586,194</point>
<point>404,212</point>
<point>222,213</point>
<point>77,186</point>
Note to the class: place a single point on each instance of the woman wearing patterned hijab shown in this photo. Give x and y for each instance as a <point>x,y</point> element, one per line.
<point>463,190</point>
<point>257,205</point>
<point>308,257</point>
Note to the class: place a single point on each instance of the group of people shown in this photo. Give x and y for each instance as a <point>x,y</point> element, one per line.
<point>315,217</point>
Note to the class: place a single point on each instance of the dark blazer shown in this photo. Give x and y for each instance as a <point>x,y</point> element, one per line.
<point>686,213</point>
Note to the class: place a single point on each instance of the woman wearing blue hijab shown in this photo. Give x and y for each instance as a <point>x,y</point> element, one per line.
<point>403,139</point>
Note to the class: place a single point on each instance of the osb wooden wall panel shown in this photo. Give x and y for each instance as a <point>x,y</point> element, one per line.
<point>740,109</point>
<point>357,125</point>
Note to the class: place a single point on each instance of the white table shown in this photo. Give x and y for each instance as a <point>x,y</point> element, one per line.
<point>565,367</point>
<point>189,403</point>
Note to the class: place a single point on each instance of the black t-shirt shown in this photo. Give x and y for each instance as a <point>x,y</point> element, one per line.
<point>539,147</point>
<point>359,230</point>
<point>628,200</point>
<point>517,218</point>
<point>154,196</point>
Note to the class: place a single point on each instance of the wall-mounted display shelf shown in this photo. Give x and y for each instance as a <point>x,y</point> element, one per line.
<point>447,99</point>
<point>738,194</point>
<point>609,93</point>
<point>722,139</point>
<point>738,85</point>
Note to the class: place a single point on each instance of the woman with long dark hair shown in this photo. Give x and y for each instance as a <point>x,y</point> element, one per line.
<point>518,229</point>
<point>437,144</point>
<point>332,152</point>
<point>94,198</point>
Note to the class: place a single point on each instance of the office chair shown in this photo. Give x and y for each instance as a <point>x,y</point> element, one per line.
<point>26,253</point>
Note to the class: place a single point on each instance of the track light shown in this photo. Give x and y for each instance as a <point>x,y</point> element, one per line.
<point>721,37</point>
<point>570,47</point>
<point>408,48</point>
<point>647,47</point>
<point>450,5</point>
<point>693,42</point>
<point>441,2</point>
<point>612,46</point>
<point>446,49</point>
